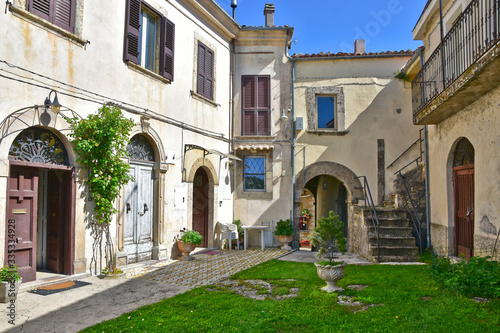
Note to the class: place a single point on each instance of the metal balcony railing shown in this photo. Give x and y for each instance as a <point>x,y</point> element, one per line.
<point>473,34</point>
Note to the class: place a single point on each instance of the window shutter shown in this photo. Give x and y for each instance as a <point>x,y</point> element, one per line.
<point>65,14</point>
<point>132,26</point>
<point>201,70</point>
<point>167,49</point>
<point>209,74</point>
<point>40,8</point>
<point>255,105</point>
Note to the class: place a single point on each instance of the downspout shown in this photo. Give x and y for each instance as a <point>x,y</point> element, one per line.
<point>427,173</point>
<point>295,242</point>
<point>231,108</point>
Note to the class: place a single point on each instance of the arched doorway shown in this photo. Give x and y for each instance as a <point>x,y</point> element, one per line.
<point>201,204</point>
<point>40,204</point>
<point>463,193</point>
<point>139,201</point>
<point>329,194</point>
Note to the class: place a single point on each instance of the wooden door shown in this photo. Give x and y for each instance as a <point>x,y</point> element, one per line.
<point>57,220</point>
<point>464,209</point>
<point>21,234</point>
<point>200,204</point>
<point>138,226</point>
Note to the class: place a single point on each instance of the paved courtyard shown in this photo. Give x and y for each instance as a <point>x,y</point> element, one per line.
<point>104,299</point>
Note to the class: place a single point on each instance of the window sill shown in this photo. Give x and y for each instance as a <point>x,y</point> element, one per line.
<point>147,72</point>
<point>44,24</point>
<point>203,99</point>
<point>327,132</point>
<point>255,137</point>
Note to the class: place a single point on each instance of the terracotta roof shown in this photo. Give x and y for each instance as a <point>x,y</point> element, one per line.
<point>342,54</point>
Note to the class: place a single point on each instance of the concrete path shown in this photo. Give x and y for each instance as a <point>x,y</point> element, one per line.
<point>104,299</point>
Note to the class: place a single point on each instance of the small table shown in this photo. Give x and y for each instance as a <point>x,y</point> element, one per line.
<point>258,227</point>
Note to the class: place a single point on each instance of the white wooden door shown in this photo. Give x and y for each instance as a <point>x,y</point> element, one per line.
<point>138,226</point>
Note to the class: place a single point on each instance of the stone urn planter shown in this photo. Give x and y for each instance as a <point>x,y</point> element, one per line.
<point>185,248</point>
<point>331,274</point>
<point>285,241</point>
<point>9,290</point>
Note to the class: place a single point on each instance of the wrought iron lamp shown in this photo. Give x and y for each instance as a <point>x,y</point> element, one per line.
<point>55,106</point>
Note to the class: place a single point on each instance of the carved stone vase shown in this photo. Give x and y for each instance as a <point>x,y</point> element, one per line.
<point>285,241</point>
<point>331,274</point>
<point>185,248</point>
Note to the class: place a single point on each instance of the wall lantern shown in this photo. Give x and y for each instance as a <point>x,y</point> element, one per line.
<point>324,185</point>
<point>55,106</point>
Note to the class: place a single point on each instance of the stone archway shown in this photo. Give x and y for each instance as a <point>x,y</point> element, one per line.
<point>338,171</point>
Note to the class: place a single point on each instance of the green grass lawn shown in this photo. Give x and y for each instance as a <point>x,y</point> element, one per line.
<point>412,302</point>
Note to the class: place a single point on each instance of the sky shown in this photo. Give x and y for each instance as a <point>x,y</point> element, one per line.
<point>333,25</point>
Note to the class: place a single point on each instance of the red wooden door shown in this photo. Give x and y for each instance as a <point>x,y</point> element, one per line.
<point>464,209</point>
<point>56,220</point>
<point>22,195</point>
<point>200,204</point>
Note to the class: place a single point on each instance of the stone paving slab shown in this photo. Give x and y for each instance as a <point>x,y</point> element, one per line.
<point>104,299</point>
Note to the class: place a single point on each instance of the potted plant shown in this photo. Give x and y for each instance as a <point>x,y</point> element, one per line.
<point>284,231</point>
<point>241,235</point>
<point>188,242</point>
<point>328,237</point>
<point>9,283</point>
<point>111,271</point>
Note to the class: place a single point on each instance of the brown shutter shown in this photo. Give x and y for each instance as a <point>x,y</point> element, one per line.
<point>248,101</point>
<point>167,49</point>
<point>255,105</point>
<point>40,8</point>
<point>209,74</point>
<point>201,70</point>
<point>132,26</point>
<point>65,14</point>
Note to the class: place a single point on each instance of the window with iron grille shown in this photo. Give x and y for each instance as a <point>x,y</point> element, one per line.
<point>149,39</point>
<point>205,75</point>
<point>255,104</point>
<point>57,12</point>
<point>254,173</point>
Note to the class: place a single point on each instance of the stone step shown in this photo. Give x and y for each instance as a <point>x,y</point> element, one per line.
<point>391,231</point>
<point>386,212</point>
<point>389,222</point>
<point>395,251</point>
<point>398,259</point>
<point>392,241</point>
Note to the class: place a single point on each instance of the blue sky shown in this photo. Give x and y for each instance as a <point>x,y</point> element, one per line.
<point>333,25</point>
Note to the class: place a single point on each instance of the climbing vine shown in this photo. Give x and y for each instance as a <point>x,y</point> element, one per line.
<point>100,142</point>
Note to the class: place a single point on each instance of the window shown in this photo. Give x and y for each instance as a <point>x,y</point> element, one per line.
<point>254,173</point>
<point>205,78</point>
<point>255,104</point>
<point>149,39</point>
<point>326,111</point>
<point>57,12</point>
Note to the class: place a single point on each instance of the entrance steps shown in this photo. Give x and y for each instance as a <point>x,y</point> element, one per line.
<point>396,243</point>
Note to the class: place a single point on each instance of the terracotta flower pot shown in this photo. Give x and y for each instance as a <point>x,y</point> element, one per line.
<point>285,240</point>
<point>331,274</point>
<point>185,248</point>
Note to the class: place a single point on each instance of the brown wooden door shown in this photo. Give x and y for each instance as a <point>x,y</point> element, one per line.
<point>200,204</point>
<point>464,209</point>
<point>56,220</point>
<point>22,195</point>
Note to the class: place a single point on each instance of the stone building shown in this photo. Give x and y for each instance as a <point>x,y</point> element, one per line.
<point>166,64</point>
<point>455,94</point>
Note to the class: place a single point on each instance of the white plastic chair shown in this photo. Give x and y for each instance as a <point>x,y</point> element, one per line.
<point>229,231</point>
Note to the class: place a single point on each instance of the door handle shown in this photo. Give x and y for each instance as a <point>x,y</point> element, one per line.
<point>145,210</point>
<point>468,214</point>
<point>128,209</point>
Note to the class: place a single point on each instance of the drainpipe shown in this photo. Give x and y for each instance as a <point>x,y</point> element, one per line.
<point>427,173</point>
<point>231,101</point>
<point>293,139</point>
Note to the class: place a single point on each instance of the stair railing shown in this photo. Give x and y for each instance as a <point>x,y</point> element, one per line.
<point>367,195</point>
<point>412,211</point>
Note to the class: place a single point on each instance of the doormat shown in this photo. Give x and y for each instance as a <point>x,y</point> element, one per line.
<point>58,287</point>
<point>211,252</point>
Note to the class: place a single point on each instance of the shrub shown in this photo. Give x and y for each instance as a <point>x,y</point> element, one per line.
<point>328,236</point>
<point>192,236</point>
<point>474,277</point>
<point>284,228</point>
<point>9,273</point>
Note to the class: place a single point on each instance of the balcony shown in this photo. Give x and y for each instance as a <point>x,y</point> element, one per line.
<point>464,66</point>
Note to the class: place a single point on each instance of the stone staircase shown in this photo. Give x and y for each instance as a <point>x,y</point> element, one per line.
<point>396,241</point>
